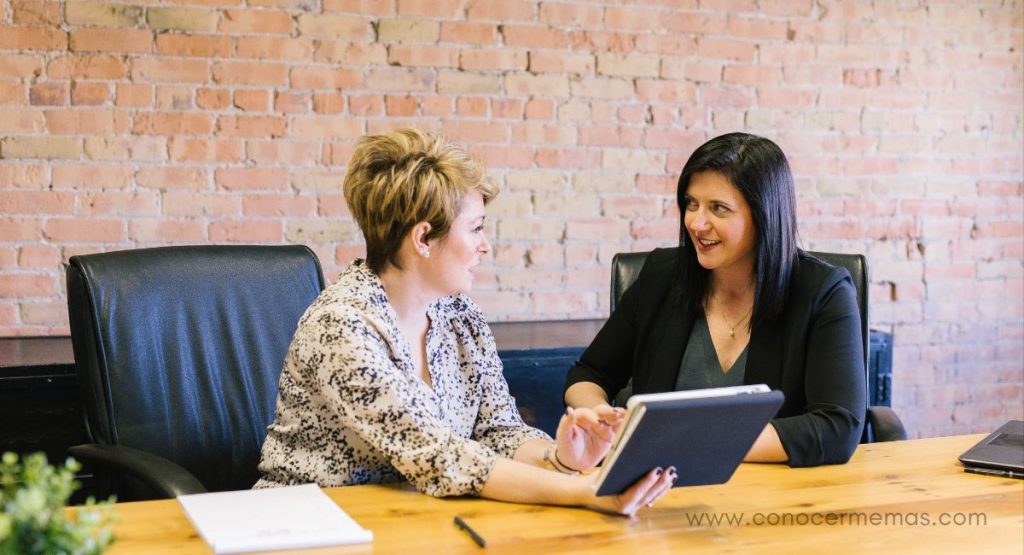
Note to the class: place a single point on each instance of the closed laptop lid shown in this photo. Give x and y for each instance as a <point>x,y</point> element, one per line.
<point>1003,449</point>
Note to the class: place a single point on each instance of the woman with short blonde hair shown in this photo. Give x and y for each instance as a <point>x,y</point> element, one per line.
<point>393,373</point>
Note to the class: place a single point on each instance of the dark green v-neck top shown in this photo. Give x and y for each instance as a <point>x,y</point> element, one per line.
<point>700,368</point>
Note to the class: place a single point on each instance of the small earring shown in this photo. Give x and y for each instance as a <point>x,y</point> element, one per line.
<point>425,253</point>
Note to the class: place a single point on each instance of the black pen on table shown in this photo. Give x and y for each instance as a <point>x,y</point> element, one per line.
<point>469,530</point>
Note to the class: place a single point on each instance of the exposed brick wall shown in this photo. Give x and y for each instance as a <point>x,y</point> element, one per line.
<point>126,124</point>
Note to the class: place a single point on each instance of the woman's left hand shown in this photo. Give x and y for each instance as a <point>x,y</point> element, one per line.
<point>584,436</point>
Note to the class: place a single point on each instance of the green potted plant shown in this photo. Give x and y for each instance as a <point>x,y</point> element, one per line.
<point>33,518</point>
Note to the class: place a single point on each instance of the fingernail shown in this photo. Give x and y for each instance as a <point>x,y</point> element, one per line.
<point>657,472</point>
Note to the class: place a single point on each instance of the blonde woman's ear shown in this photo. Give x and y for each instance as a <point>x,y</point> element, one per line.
<point>419,238</point>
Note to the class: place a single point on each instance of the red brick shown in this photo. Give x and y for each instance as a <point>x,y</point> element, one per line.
<point>172,123</point>
<point>350,53</point>
<point>234,179</point>
<point>255,22</point>
<point>252,126</point>
<point>756,28</point>
<point>170,70</point>
<point>471,106</point>
<point>571,15</point>
<point>541,61</point>
<point>476,131</point>
<point>400,79</point>
<point>213,99</point>
<point>202,46</point>
<point>130,95</point>
<point>192,203</point>
<point>36,202</point>
<point>91,176</point>
<point>503,156</point>
<point>283,153</point>
<point>600,41</point>
<point>531,36</point>
<point>116,203</point>
<point>469,33</point>
<point>172,178</point>
<point>250,100</point>
<point>99,39</point>
<point>292,103</point>
<point>172,97</point>
<point>506,108</point>
<point>86,66</point>
<point>539,109</point>
<point>499,59</point>
<point>332,103</point>
<point>20,66</point>
<point>246,232</point>
<point>165,232</point>
<point>24,176</point>
<point>423,55</point>
<point>372,7</point>
<point>250,73</point>
<point>39,257</point>
<point>274,48</point>
<point>32,38</point>
<point>91,230</point>
<point>87,121</point>
<point>12,93</point>
<point>318,25</point>
<point>504,10</point>
<point>324,78</point>
<point>23,285</point>
<point>321,128</point>
<point>537,85</point>
<point>632,19</point>
<point>262,205</point>
<point>49,94</point>
<point>36,12</point>
<point>567,158</point>
<point>675,46</point>
<point>400,105</point>
<point>431,8</point>
<point>89,93</point>
<point>594,135</point>
<point>439,106</point>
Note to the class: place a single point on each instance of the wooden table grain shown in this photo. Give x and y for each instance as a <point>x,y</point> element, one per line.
<point>900,497</point>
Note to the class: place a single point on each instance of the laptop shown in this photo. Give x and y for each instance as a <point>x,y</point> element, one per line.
<point>999,454</point>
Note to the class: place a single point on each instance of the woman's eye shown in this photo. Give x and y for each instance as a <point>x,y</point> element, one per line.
<point>691,204</point>
<point>721,209</point>
<point>478,229</point>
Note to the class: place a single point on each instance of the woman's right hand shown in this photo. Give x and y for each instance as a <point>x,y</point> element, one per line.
<point>645,492</point>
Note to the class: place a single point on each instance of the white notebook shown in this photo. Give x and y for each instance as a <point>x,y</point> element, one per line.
<point>292,517</point>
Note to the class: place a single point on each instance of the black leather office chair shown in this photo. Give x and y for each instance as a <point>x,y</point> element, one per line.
<point>178,352</point>
<point>882,422</point>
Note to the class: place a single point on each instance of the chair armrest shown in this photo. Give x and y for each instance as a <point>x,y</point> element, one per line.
<point>168,479</point>
<point>885,425</point>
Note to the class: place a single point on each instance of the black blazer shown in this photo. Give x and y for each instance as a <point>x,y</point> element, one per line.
<point>814,353</point>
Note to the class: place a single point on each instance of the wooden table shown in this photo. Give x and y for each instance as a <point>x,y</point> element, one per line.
<point>908,489</point>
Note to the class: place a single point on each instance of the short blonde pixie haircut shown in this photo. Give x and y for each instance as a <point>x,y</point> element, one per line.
<point>398,179</point>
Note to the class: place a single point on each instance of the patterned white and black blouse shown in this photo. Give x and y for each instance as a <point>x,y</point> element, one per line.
<point>352,409</point>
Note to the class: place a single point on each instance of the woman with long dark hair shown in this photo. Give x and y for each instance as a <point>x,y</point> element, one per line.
<point>738,303</point>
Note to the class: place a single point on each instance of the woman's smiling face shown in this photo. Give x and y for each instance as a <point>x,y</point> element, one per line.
<point>719,222</point>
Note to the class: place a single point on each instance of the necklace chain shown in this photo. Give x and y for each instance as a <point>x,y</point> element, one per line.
<point>732,329</point>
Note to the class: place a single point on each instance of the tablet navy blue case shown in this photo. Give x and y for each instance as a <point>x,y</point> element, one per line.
<point>704,438</point>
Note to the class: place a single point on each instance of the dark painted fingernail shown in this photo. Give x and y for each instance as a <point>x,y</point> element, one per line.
<point>657,472</point>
